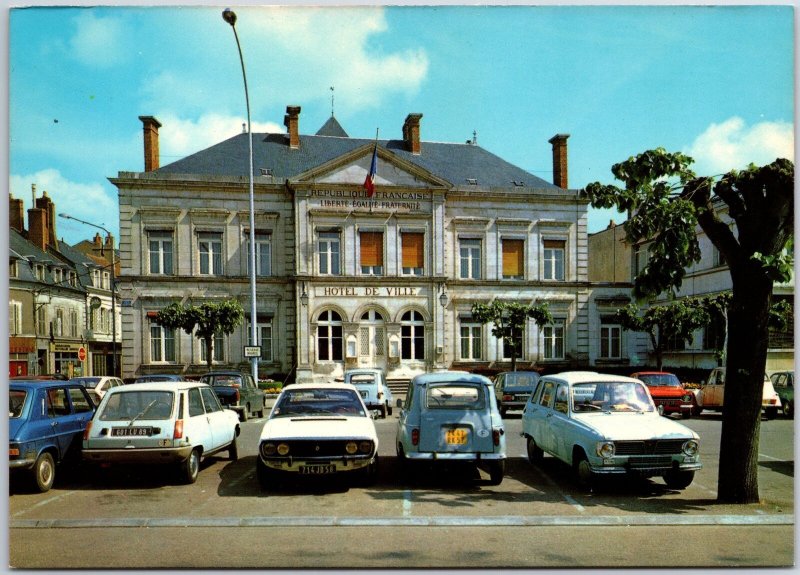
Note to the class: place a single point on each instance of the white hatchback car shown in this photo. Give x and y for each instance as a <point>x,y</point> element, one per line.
<point>607,425</point>
<point>318,429</point>
<point>99,383</point>
<point>175,423</point>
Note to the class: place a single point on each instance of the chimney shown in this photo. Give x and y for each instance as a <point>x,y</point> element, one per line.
<point>559,142</point>
<point>37,234</point>
<point>98,242</point>
<point>46,204</point>
<point>411,133</point>
<point>16,214</point>
<point>291,121</point>
<point>151,157</point>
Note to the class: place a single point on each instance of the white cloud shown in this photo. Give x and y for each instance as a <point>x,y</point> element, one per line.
<point>178,137</point>
<point>734,145</point>
<point>90,202</point>
<point>96,41</point>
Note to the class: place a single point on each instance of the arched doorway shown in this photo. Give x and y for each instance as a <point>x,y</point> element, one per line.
<point>372,340</point>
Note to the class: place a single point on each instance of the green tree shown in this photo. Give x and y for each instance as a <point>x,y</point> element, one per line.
<point>205,320</point>
<point>666,201</point>
<point>508,319</point>
<point>663,323</point>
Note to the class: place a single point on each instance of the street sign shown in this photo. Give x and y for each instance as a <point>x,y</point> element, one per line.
<point>252,351</point>
<point>82,353</point>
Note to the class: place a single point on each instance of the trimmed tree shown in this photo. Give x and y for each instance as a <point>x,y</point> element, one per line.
<point>666,202</point>
<point>204,320</point>
<point>508,321</point>
<point>663,323</point>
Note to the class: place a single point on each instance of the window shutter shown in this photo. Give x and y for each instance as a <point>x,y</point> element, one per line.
<point>413,254</point>
<point>371,248</point>
<point>512,257</point>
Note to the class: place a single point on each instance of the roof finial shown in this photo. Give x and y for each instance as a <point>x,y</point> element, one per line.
<point>331,101</point>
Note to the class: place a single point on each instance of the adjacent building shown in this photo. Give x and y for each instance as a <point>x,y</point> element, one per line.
<point>349,277</point>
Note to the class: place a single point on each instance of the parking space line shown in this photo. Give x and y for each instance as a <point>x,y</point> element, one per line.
<point>407,494</point>
<point>42,503</point>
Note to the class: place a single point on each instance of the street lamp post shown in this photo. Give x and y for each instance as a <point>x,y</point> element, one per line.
<point>230,17</point>
<point>113,292</point>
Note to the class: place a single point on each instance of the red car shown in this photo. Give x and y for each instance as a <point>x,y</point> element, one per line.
<point>667,391</point>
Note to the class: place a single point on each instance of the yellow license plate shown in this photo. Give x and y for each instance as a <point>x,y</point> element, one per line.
<point>455,436</point>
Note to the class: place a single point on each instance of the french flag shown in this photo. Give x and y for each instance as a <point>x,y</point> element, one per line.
<point>369,181</point>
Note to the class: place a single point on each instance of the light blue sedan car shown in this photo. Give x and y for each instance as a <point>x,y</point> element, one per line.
<point>605,425</point>
<point>452,417</point>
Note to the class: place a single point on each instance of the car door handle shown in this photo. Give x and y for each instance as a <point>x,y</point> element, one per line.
<point>53,423</point>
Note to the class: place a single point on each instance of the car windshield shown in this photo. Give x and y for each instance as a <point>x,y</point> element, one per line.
<point>16,401</point>
<point>318,401</point>
<point>521,380</point>
<point>668,379</point>
<point>137,405</point>
<point>614,396</point>
<point>455,396</point>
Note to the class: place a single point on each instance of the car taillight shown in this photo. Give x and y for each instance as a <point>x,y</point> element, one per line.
<point>507,397</point>
<point>380,394</point>
<point>415,437</point>
<point>177,433</point>
<point>13,451</point>
<point>496,433</point>
<point>86,431</point>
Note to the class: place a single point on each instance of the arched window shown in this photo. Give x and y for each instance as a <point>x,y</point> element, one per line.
<point>412,331</point>
<point>329,337</point>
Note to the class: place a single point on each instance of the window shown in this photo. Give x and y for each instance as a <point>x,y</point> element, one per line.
<point>106,280</point>
<point>162,344</point>
<point>470,256</point>
<point>73,323</point>
<point>59,323</point>
<point>329,248</point>
<point>39,272</point>
<point>195,403</point>
<point>553,340</point>
<point>554,260</point>
<point>58,275</point>
<point>14,317</point>
<point>217,348</point>
<point>513,346</point>
<point>675,343</point>
<point>210,249</point>
<point>210,400</point>
<point>263,253</point>
<point>160,253</point>
<point>73,279</point>
<point>562,399</point>
<point>263,336</point>
<point>714,333</point>
<point>413,248</point>
<point>41,320</point>
<point>412,336</point>
<point>610,341</point>
<point>96,278</point>
<point>371,259</point>
<point>103,320</point>
<point>640,258</point>
<point>471,340</point>
<point>13,268</point>
<point>513,251</point>
<point>329,337</point>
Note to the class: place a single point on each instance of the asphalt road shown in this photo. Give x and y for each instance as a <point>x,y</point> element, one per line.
<point>537,517</point>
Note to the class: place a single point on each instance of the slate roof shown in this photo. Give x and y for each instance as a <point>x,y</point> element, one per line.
<point>455,163</point>
<point>332,128</point>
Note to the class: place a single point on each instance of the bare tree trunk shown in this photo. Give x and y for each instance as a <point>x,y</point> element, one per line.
<point>741,414</point>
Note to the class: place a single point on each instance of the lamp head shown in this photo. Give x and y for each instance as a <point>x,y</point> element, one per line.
<point>63,215</point>
<point>229,16</point>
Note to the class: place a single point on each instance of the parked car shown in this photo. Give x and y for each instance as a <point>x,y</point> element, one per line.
<point>452,417</point>
<point>783,382</point>
<point>605,425</point>
<point>173,423</point>
<point>237,391</point>
<point>317,429</point>
<point>712,394</point>
<point>512,389</point>
<point>667,392</point>
<point>46,421</point>
<point>154,377</point>
<point>40,377</point>
<point>100,383</point>
<point>371,384</point>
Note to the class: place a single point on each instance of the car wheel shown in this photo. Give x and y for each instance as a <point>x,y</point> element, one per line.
<point>535,453</point>
<point>388,410</point>
<point>497,470</point>
<point>44,472</point>
<point>245,413</point>
<point>679,479</point>
<point>686,413</point>
<point>583,470</point>
<point>770,412</point>
<point>383,411</point>
<point>696,410</point>
<point>370,473</point>
<point>503,411</point>
<point>788,409</point>
<point>233,450</point>
<point>191,467</point>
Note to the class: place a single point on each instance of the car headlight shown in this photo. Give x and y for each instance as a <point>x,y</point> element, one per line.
<point>351,447</point>
<point>268,449</point>
<point>605,449</point>
<point>365,446</point>
<point>687,398</point>
<point>691,448</point>
<point>283,449</point>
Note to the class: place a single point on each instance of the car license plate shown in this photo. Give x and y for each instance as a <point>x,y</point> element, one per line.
<point>456,436</point>
<point>317,469</point>
<point>131,431</point>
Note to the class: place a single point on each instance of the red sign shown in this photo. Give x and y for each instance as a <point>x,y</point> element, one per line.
<point>82,353</point>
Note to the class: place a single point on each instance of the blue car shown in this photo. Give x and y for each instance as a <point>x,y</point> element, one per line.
<point>45,427</point>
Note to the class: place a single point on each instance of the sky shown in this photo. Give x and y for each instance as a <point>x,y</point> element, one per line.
<point>715,82</point>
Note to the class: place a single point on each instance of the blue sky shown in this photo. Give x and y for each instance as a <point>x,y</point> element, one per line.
<point>713,82</point>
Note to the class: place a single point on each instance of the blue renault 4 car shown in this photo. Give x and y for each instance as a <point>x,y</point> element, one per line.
<point>452,416</point>
<point>45,427</point>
